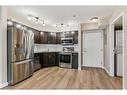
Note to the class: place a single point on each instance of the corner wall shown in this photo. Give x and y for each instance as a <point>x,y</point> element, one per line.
<point>3,47</point>
<point>125,50</point>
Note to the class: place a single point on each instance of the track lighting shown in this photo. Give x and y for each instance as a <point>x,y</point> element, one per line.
<point>36,20</point>
<point>43,24</point>
<point>61,26</point>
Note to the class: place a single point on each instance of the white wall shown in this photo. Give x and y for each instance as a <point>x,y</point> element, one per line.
<point>3,47</point>
<point>106,49</point>
<point>125,50</point>
<point>0,52</point>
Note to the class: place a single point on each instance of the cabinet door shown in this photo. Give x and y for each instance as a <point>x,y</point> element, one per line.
<point>52,59</point>
<point>52,38</point>
<point>58,38</point>
<point>75,60</point>
<point>36,61</point>
<point>57,59</point>
<point>43,37</point>
<point>36,36</point>
<point>75,37</point>
<point>45,62</point>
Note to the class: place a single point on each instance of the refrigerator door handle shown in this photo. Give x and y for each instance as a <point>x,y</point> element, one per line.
<point>23,61</point>
<point>25,44</point>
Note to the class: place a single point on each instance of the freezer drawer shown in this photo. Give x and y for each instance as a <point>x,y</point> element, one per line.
<point>22,70</point>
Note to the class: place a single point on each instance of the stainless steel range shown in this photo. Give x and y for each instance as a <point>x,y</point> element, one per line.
<point>66,57</point>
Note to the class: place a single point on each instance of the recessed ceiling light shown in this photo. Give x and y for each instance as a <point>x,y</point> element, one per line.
<point>18,26</point>
<point>72,32</point>
<point>41,33</point>
<point>10,23</point>
<point>94,19</point>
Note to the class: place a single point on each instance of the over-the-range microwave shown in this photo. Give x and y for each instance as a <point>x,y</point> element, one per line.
<point>67,41</point>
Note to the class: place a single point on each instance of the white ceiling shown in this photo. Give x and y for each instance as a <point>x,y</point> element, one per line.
<point>63,14</point>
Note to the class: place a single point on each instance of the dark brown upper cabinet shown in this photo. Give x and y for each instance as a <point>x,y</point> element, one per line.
<point>43,37</point>
<point>51,38</point>
<point>36,36</point>
<point>58,38</point>
<point>47,38</point>
<point>75,36</point>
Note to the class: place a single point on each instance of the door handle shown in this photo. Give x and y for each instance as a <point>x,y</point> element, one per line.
<point>22,62</point>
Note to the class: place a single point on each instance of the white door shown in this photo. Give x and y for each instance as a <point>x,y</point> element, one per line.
<point>119,65</point>
<point>93,49</point>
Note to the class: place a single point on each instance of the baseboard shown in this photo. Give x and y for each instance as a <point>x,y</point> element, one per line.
<point>107,71</point>
<point>79,68</point>
<point>3,85</point>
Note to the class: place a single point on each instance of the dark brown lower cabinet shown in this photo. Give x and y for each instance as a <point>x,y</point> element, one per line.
<point>37,62</point>
<point>75,60</point>
<point>49,59</point>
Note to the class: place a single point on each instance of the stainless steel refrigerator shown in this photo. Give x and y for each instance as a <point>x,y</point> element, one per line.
<point>20,54</point>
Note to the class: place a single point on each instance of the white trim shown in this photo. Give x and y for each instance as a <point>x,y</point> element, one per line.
<point>3,85</point>
<point>111,48</point>
<point>79,68</point>
<point>123,21</point>
<point>111,40</point>
<point>79,48</point>
<point>107,71</point>
<point>102,65</point>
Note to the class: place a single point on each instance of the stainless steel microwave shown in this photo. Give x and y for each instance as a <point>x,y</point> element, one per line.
<point>67,41</point>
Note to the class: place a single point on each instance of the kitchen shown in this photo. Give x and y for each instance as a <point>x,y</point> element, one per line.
<point>50,49</point>
<point>37,49</point>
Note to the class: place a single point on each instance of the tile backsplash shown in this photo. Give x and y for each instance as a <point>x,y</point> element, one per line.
<point>51,48</point>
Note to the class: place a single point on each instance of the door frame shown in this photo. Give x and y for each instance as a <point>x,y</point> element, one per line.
<point>111,46</point>
<point>94,31</point>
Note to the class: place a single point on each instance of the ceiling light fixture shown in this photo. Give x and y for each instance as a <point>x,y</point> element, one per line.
<point>94,19</point>
<point>43,24</point>
<point>36,20</point>
<point>61,26</point>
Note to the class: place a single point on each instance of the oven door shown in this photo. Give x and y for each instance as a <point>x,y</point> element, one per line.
<point>66,60</point>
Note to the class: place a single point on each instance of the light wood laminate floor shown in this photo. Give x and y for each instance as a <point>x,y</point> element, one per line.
<point>62,78</point>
